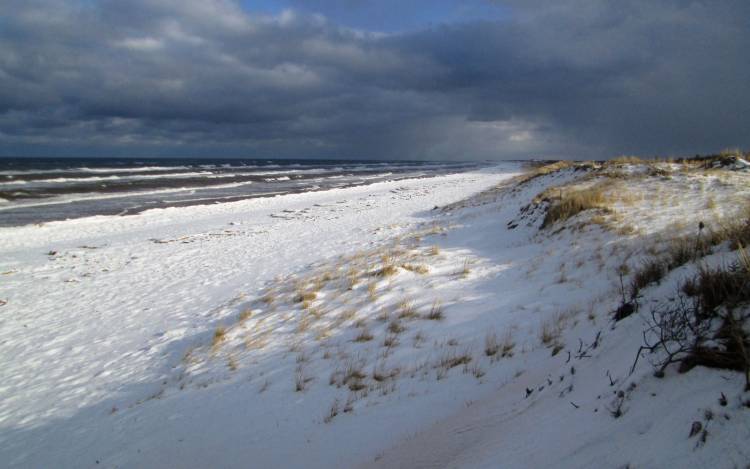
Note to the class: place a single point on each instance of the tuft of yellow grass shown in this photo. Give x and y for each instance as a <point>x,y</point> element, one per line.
<point>387,270</point>
<point>416,268</point>
<point>304,296</point>
<point>625,159</point>
<point>268,298</point>
<point>364,335</point>
<point>232,364</point>
<point>220,334</point>
<point>245,314</point>
<point>372,289</point>
<point>406,309</point>
<point>572,203</point>
<point>551,331</point>
<point>436,311</point>
<point>304,324</point>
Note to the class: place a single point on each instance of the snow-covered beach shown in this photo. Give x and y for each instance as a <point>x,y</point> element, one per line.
<point>414,323</point>
<point>97,325</point>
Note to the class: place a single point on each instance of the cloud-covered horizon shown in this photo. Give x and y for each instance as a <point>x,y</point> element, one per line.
<point>562,79</point>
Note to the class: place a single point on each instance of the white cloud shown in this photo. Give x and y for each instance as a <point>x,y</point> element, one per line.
<point>143,44</point>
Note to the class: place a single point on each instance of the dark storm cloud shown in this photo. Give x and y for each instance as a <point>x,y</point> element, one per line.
<point>565,78</point>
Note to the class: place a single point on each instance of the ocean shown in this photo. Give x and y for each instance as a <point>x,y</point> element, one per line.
<point>38,190</point>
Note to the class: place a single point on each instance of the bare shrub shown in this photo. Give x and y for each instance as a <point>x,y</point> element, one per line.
<point>710,328</point>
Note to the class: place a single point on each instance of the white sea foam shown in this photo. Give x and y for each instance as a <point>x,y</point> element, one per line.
<point>70,198</point>
<point>110,178</point>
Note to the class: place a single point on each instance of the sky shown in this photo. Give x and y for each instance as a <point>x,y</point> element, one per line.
<point>440,79</point>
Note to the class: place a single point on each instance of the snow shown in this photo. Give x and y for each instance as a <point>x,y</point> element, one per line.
<point>190,337</point>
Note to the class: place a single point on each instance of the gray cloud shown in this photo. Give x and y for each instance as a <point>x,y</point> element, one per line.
<point>571,78</point>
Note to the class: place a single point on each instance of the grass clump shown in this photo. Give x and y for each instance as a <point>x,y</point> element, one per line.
<point>387,270</point>
<point>300,379</point>
<point>491,344</point>
<point>245,315</point>
<point>465,269</point>
<point>572,203</point>
<point>406,309</point>
<point>332,412</point>
<point>372,291</point>
<point>220,335</point>
<point>550,334</point>
<point>651,271</point>
<point>737,232</point>
<point>729,285</point>
<point>507,346</point>
<point>416,268</point>
<point>625,159</point>
<point>353,377</point>
<point>305,297</point>
<point>364,335</point>
<point>452,359</point>
<point>436,311</point>
<point>268,298</point>
<point>390,341</point>
<point>681,251</point>
<point>395,327</point>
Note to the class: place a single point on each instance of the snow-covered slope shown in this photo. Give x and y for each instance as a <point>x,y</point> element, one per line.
<point>363,326</point>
